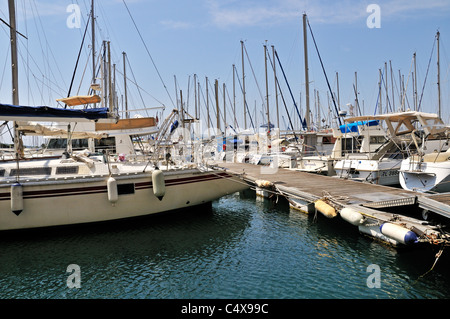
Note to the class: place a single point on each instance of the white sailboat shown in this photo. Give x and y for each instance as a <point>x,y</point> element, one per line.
<point>83,187</point>
<point>382,167</point>
<point>357,138</point>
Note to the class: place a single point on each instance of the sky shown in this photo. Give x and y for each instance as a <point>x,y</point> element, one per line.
<point>168,42</point>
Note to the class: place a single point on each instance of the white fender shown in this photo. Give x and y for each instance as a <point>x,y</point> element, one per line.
<point>159,185</point>
<point>113,194</point>
<point>352,216</point>
<point>398,233</point>
<point>16,198</point>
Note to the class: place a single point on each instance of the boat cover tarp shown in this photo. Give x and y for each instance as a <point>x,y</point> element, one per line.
<point>353,127</point>
<point>8,110</point>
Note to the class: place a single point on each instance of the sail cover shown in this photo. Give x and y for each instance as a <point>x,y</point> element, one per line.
<point>46,113</point>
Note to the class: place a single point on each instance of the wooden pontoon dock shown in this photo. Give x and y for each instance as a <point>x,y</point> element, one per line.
<point>303,190</point>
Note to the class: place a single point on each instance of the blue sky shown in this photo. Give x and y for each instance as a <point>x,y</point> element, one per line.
<point>203,37</point>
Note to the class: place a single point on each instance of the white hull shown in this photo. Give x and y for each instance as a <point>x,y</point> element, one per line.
<point>317,164</point>
<point>384,172</point>
<point>425,176</point>
<point>84,199</point>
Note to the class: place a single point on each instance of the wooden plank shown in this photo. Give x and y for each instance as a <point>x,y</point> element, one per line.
<point>124,124</point>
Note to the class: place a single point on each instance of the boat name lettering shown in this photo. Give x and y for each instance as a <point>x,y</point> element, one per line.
<point>389,173</point>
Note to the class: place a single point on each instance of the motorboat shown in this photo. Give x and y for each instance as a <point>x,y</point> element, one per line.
<point>405,136</point>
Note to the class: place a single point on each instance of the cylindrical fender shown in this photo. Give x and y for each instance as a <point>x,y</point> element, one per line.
<point>159,184</point>
<point>16,198</point>
<point>113,194</point>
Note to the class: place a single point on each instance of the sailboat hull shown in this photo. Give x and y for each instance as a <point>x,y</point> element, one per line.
<point>85,199</point>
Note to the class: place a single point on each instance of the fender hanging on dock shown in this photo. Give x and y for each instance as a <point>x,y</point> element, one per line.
<point>352,216</point>
<point>374,231</point>
<point>399,233</point>
<point>325,209</point>
<point>159,185</point>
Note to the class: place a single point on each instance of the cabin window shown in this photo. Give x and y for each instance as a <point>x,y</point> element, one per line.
<point>31,171</point>
<point>2,172</point>
<point>123,189</point>
<point>377,139</point>
<point>108,143</point>
<point>67,170</point>
<point>61,143</point>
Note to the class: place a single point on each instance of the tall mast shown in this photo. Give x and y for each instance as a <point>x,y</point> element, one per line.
<point>216,92</point>
<point>224,112</point>
<point>234,96</point>
<point>306,71</point>
<point>14,67</point>
<point>110,90</point>
<point>93,43</point>
<point>275,82</point>
<point>15,70</point>
<point>438,76</point>
<point>125,84</point>
<point>243,84</point>
<point>267,89</point>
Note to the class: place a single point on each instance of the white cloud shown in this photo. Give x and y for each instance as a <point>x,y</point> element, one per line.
<point>232,13</point>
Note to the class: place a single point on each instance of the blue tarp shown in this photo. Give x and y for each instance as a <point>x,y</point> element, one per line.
<point>50,112</point>
<point>353,127</point>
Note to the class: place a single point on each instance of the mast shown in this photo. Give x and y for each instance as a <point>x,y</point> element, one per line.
<point>110,90</point>
<point>438,75</point>
<point>195,96</point>
<point>216,92</point>
<point>125,85</point>
<point>15,71</point>
<point>276,89</point>
<point>224,112</point>
<point>243,83</point>
<point>234,96</point>
<point>267,100</point>
<point>93,43</point>
<point>305,47</point>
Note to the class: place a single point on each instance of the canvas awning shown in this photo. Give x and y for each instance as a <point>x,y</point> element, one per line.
<point>80,100</point>
<point>30,128</point>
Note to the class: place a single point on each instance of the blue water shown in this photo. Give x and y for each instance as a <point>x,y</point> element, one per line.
<point>241,247</point>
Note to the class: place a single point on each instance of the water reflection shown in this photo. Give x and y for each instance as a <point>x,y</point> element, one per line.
<point>238,248</point>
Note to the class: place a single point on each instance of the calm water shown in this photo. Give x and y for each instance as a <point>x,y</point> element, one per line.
<point>241,248</point>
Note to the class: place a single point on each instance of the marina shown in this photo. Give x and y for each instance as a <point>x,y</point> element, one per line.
<point>105,196</point>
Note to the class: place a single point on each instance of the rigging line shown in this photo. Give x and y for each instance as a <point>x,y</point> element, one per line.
<point>134,78</point>
<point>290,91</point>
<point>282,97</point>
<point>426,74</point>
<point>49,51</point>
<point>231,106</point>
<point>246,104</point>
<point>253,72</point>
<point>140,87</point>
<point>78,60</point>
<point>323,69</point>
<point>148,52</point>
<point>7,24</point>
